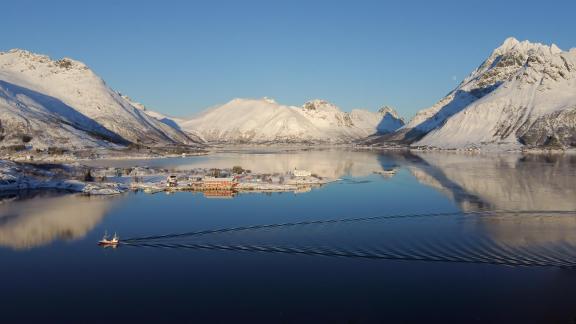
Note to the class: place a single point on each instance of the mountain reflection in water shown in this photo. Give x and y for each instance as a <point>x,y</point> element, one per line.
<point>508,182</point>
<point>331,163</point>
<point>42,218</point>
<point>475,182</point>
<point>430,236</point>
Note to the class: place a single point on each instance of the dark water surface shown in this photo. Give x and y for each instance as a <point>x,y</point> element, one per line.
<point>448,238</point>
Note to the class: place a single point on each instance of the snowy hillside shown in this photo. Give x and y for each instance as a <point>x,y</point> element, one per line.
<point>173,122</point>
<point>31,118</point>
<point>523,95</point>
<point>261,121</point>
<point>64,102</point>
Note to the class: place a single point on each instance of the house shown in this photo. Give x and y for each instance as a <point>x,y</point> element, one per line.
<point>301,173</point>
<point>172,181</point>
<point>213,183</point>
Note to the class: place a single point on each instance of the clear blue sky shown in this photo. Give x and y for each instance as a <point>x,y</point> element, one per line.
<point>180,57</point>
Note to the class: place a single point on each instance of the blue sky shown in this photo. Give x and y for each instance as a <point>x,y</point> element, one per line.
<point>180,57</point>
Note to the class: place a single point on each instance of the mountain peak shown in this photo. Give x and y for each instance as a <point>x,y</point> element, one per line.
<point>24,54</point>
<point>389,110</point>
<point>265,101</point>
<point>319,104</point>
<point>29,60</point>
<point>269,100</point>
<point>555,49</point>
<point>509,43</point>
<point>17,51</point>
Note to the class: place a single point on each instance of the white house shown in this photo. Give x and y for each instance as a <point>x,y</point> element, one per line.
<point>301,173</point>
<point>172,181</point>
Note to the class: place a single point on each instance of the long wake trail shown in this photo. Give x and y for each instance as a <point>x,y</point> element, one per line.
<point>465,250</point>
<point>342,220</point>
<point>380,254</point>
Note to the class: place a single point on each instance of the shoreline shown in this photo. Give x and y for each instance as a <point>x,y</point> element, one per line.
<point>119,155</point>
<point>76,175</point>
<point>88,180</point>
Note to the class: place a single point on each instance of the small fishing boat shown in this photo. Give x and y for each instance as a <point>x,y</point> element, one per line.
<point>386,172</point>
<point>105,241</point>
<point>150,190</point>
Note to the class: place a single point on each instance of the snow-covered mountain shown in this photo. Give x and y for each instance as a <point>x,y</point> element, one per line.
<point>523,95</point>
<point>30,117</point>
<point>389,122</point>
<point>62,102</point>
<point>173,122</point>
<point>260,121</point>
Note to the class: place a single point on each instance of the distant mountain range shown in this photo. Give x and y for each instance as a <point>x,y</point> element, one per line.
<point>522,95</point>
<point>264,121</point>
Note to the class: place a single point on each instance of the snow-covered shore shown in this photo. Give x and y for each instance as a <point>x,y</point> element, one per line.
<point>100,154</point>
<point>78,178</point>
<point>21,176</point>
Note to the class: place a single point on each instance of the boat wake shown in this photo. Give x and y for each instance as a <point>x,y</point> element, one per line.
<point>463,237</point>
<point>381,254</point>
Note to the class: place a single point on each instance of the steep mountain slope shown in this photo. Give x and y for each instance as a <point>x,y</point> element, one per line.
<point>173,122</point>
<point>523,95</point>
<point>388,119</point>
<point>262,121</point>
<point>32,118</point>
<point>74,85</point>
<point>526,96</point>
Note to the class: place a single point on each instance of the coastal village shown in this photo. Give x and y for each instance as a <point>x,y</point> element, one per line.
<point>223,183</point>
<point>212,182</point>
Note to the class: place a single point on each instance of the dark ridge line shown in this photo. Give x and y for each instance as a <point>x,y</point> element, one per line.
<point>343,220</point>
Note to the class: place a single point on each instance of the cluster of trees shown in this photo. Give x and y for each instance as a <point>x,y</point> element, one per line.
<point>235,170</point>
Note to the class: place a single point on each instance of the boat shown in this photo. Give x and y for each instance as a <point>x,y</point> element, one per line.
<point>387,172</point>
<point>109,242</point>
<point>150,190</point>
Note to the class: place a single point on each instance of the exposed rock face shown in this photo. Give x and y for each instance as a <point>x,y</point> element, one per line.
<point>554,130</point>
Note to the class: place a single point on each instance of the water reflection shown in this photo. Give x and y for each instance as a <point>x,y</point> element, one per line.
<point>509,182</point>
<point>304,250</point>
<point>325,163</point>
<point>332,163</point>
<point>544,230</point>
<point>43,218</point>
<point>473,182</point>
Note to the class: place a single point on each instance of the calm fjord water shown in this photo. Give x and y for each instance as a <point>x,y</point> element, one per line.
<point>433,242</point>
